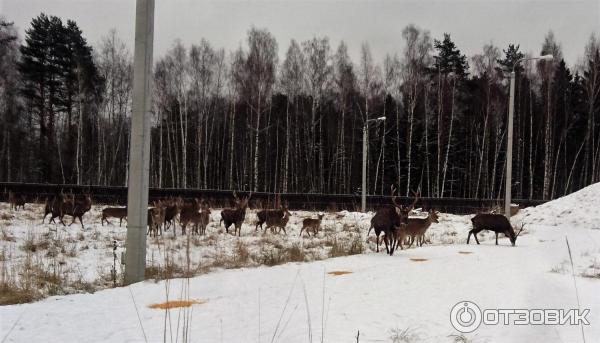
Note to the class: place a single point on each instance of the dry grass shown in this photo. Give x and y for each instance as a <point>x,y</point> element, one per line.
<point>465,252</point>
<point>353,247</point>
<point>339,272</point>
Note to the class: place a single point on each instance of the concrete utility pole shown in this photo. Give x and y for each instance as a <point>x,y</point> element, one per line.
<point>511,110</point>
<point>139,153</point>
<point>509,142</point>
<point>363,199</point>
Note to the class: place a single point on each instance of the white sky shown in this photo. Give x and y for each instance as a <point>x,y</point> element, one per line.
<point>380,22</point>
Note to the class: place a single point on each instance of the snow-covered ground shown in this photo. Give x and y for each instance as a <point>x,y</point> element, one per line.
<point>407,297</point>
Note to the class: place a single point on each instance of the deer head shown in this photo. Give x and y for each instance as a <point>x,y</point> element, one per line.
<point>433,216</point>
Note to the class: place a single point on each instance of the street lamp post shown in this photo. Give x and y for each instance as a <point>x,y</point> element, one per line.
<point>363,202</point>
<point>511,109</point>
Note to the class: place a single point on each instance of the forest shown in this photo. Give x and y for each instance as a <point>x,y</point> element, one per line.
<point>252,119</point>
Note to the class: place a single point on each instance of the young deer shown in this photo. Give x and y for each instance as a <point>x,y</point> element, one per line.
<point>114,212</point>
<point>156,218</point>
<point>312,225</point>
<point>493,222</point>
<point>277,222</point>
<point>235,215</point>
<point>416,227</point>
<point>388,219</point>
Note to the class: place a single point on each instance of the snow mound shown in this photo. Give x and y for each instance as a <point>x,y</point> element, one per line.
<point>579,209</point>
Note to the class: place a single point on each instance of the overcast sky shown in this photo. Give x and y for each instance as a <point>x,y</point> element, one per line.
<point>380,22</point>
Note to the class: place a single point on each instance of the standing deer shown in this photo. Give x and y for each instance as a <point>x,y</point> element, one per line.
<point>16,201</point>
<point>277,222</point>
<point>493,222</point>
<point>235,215</point>
<point>113,212</point>
<point>156,218</point>
<point>265,215</point>
<point>313,225</point>
<point>390,218</point>
<point>416,227</point>
<point>199,219</point>
<point>172,210</point>
<point>76,208</point>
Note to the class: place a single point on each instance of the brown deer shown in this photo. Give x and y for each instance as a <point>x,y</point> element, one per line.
<point>156,218</point>
<point>76,208</point>
<point>48,208</point>
<point>312,225</point>
<point>57,207</point>
<point>16,201</point>
<point>199,219</point>
<point>172,210</point>
<point>416,227</point>
<point>235,215</point>
<point>188,212</point>
<point>114,212</point>
<point>493,222</point>
<point>388,219</point>
<point>277,222</point>
<point>266,215</point>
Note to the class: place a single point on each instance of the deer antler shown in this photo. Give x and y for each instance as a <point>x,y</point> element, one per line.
<point>394,197</point>
<point>414,202</point>
<point>522,226</point>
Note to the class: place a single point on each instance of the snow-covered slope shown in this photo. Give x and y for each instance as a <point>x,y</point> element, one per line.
<point>579,209</point>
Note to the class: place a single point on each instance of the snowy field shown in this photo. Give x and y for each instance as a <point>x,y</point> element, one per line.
<point>404,298</point>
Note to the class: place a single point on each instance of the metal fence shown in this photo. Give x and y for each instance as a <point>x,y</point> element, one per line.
<point>115,195</point>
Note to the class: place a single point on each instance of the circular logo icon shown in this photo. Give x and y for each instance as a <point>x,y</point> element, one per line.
<point>465,316</point>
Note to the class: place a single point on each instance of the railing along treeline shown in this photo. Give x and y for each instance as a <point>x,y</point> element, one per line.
<point>117,195</point>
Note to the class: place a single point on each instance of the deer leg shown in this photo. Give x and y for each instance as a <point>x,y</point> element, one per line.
<point>377,242</point>
<point>496,238</point>
<point>301,229</point>
<point>385,240</point>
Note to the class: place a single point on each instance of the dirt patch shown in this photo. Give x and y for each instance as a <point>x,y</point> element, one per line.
<point>419,259</point>
<point>176,304</point>
<point>339,272</point>
<point>465,252</point>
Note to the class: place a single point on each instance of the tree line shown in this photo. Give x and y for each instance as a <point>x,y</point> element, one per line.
<point>247,120</point>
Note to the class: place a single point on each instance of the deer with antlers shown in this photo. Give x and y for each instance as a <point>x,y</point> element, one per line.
<point>389,219</point>
<point>493,222</point>
<point>235,215</point>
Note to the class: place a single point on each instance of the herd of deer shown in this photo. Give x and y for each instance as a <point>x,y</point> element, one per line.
<point>392,220</point>
<point>397,227</point>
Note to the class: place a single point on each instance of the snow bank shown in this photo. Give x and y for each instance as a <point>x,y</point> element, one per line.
<point>579,209</point>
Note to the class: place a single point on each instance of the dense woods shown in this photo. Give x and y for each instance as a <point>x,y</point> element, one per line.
<point>250,119</point>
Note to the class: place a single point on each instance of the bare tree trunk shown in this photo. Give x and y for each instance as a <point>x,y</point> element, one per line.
<point>445,168</point>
